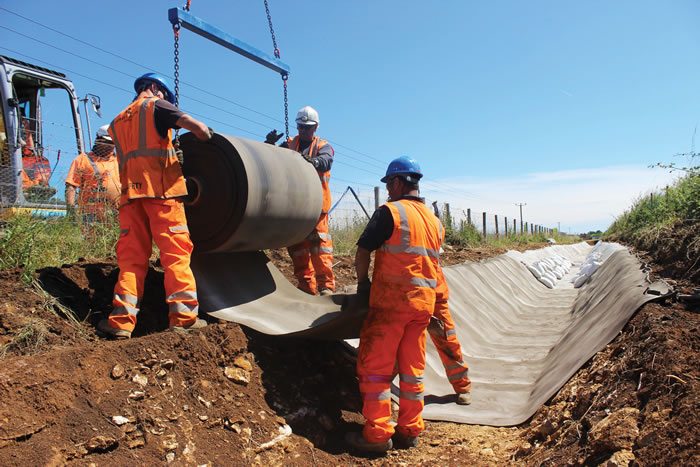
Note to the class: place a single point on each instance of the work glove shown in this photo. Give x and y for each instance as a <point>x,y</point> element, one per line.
<point>436,327</point>
<point>272,137</point>
<point>363,289</point>
<point>71,211</point>
<point>314,237</point>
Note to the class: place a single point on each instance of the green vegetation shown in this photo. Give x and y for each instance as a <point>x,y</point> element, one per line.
<point>345,237</point>
<point>27,340</point>
<point>678,204</point>
<point>667,224</point>
<point>459,234</point>
<point>34,243</point>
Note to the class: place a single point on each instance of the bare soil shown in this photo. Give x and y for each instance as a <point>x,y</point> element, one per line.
<point>219,396</point>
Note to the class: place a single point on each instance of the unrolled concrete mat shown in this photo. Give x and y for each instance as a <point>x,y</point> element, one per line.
<point>245,195</point>
<point>522,340</point>
<point>248,289</point>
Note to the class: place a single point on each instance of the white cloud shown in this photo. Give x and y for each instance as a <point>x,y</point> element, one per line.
<point>581,199</point>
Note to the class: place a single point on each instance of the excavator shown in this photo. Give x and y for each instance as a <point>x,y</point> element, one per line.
<point>36,126</point>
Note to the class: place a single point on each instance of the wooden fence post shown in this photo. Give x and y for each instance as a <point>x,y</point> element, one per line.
<point>495,218</point>
<point>483,215</point>
<point>469,216</point>
<point>505,226</point>
<point>448,216</point>
<point>376,198</point>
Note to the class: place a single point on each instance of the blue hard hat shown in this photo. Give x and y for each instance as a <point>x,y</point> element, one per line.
<point>160,80</point>
<point>403,165</point>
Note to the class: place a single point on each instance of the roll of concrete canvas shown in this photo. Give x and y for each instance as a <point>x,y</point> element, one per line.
<point>246,195</point>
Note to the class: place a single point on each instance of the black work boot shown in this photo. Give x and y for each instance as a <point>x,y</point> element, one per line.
<point>113,333</point>
<point>402,441</point>
<point>198,324</point>
<point>357,441</point>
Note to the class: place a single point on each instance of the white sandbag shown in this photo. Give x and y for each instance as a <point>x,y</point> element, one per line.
<point>547,282</point>
<point>580,280</point>
<point>539,267</point>
<point>534,271</point>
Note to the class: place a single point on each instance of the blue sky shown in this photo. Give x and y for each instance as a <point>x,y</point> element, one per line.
<point>558,104</point>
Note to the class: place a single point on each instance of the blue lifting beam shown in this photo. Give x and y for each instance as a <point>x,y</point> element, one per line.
<point>188,21</point>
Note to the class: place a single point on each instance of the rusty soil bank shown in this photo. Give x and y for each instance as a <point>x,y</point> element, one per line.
<point>229,396</point>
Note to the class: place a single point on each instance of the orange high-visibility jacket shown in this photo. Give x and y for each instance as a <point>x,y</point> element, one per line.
<point>97,178</point>
<point>407,264</point>
<point>148,166</point>
<point>316,144</point>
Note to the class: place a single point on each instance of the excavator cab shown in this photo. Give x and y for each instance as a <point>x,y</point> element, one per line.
<point>39,122</point>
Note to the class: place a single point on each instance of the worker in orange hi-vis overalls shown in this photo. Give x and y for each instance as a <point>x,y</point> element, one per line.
<point>36,169</point>
<point>406,236</point>
<point>313,257</point>
<point>151,208</point>
<point>95,176</point>
<point>444,336</point>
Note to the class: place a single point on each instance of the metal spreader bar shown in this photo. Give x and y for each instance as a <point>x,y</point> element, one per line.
<point>188,21</point>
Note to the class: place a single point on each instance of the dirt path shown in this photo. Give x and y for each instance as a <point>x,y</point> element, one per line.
<point>219,395</point>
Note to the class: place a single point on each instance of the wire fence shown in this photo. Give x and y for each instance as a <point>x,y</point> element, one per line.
<point>350,210</point>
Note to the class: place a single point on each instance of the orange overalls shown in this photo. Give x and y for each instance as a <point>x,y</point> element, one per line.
<point>150,210</point>
<point>313,257</point>
<point>402,300</point>
<point>443,334</point>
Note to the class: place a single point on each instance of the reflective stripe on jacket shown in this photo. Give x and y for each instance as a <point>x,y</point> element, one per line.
<point>148,166</point>
<point>311,152</point>
<point>407,264</point>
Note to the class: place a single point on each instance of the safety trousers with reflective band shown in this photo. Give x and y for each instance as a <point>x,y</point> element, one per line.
<point>313,261</point>
<point>444,336</point>
<point>388,337</point>
<point>168,228</point>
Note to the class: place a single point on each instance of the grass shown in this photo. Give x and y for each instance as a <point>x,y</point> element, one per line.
<point>345,237</point>
<point>33,243</point>
<point>27,341</point>
<point>650,214</point>
<point>462,235</point>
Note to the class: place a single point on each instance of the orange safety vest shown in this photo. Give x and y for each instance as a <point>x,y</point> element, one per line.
<point>148,166</point>
<point>95,186</point>
<point>311,152</point>
<point>406,266</point>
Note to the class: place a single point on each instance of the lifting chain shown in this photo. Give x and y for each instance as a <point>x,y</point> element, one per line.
<point>176,75</point>
<point>286,106</point>
<point>272,30</point>
<point>285,76</point>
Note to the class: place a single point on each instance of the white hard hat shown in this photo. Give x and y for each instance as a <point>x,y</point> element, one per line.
<point>103,133</point>
<point>307,115</point>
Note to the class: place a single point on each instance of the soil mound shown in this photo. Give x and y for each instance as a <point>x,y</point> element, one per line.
<point>226,395</point>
